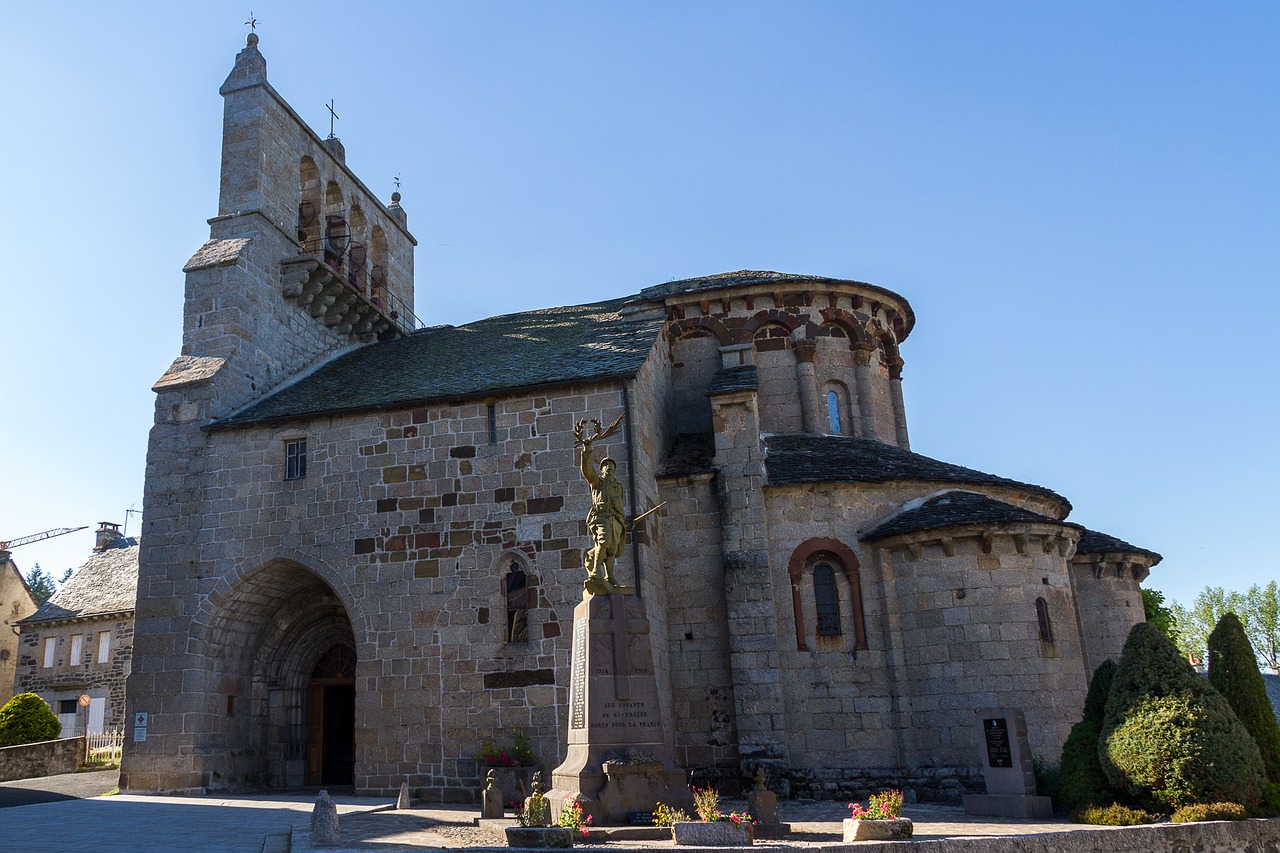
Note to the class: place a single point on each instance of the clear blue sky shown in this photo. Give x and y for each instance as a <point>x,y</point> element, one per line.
<point>1081,201</point>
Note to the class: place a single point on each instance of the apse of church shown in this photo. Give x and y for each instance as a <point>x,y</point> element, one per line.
<point>364,538</point>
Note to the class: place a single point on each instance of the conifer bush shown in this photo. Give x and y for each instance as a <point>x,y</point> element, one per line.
<point>1168,737</point>
<point>1081,781</point>
<point>1233,670</point>
<point>26,718</point>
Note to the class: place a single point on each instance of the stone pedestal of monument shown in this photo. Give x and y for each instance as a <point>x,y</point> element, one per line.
<point>1006,768</point>
<point>619,759</point>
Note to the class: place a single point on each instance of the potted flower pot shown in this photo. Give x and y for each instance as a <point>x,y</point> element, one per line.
<point>720,833</point>
<point>889,829</point>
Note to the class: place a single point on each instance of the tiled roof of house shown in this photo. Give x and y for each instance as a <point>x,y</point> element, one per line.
<point>106,583</point>
<point>833,458</point>
<point>499,355</point>
<point>1094,542</point>
<point>955,509</point>
<point>1272,683</point>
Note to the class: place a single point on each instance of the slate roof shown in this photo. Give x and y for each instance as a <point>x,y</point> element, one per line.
<point>835,458</point>
<point>743,377</point>
<point>954,509</point>
<point>1094,542</point>
<point>106,583</point>
<point>1272,683</point>
<point>741,278</point>
<point>501,354</point>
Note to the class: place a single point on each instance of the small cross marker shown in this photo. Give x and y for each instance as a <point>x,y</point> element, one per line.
<point>252,23</point>
<point>332,116</point>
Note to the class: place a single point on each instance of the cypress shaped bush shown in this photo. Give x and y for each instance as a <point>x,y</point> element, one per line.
<point>26,718</point>
<point>1168,737</point>
<point>1233,670</point>
<point>1081,780</point>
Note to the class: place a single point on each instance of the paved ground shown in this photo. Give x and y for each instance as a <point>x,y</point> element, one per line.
<point>264,824</point>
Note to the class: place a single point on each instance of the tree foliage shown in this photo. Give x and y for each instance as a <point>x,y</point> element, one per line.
<point>1168,737</point>
<point>1081,780</point>
<point>1158,614</point>
<point>41,584</point>
<point>1258,611</point>
<point>26,718</point>
<point>1262,623</point>
<point>1233,670</point>
<point>1195,625</point>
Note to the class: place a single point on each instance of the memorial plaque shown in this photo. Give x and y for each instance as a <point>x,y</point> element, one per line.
<point>640,818</point>
<point>999,753</point>
<point>578,678</point>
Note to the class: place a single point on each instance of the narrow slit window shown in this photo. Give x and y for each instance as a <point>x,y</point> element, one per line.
<point>1046,624</point>
<point>826,600</point>
<point>833,413</point>
<point>517,593</point>
<point>295,459</point>
<point>493,424</point>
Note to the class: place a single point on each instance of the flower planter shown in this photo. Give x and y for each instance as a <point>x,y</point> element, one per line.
<point>893,829</point>
<point>696,833</point>
<point>539,836</point>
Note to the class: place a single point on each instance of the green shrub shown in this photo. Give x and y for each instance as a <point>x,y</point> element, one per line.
<point>1113,815</point>
<point>1233,670</point>
<point>26,718</point>
<point>1095,701</point>
<point>1171,751</point>
<point>1082,781</point>
<point>1170,739</point>
<point>1197,812</point>
<point>1270,800</point>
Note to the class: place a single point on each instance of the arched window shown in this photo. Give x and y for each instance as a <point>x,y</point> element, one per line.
<point>826,595</point>
<point>517,595</point>
<point>1046,624</point>
<point>826,599</point>
<point>833,414</point>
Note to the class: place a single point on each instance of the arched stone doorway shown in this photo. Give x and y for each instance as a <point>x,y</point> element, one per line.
<point>286,658</point>
<point>331,718</point>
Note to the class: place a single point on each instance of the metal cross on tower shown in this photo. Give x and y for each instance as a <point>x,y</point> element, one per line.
<point>252,23</point>
<point>332,116</point>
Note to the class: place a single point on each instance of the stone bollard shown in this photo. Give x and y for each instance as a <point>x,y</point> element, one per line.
<point>762,804</point>
<point>404,802</point>
<point>324,821</point>
<point>491,807</point>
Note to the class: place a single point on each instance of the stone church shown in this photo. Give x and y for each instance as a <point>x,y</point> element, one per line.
<point>364,537</point>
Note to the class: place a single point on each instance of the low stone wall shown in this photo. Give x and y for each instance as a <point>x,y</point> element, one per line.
<point>46,758</point>
<point>1244,836</point>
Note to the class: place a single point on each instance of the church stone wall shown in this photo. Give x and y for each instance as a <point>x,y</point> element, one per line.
<point>1110,602</point>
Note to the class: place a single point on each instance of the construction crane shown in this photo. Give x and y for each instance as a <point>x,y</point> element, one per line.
<point>5,545</point>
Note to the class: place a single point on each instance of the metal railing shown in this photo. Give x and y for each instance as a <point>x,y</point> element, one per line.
<point>350,260</point>
<point>105,747</point>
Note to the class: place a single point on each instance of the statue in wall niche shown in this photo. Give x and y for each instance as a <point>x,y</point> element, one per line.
<point>606,520</point>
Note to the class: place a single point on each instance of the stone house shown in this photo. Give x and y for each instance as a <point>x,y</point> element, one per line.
<point>16,603</point>
<point>364,538</point>
<point>80,641</point>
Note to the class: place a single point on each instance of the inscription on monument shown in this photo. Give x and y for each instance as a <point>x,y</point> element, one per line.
<point>999,753</point>
<point>578,677</point>
<point>624,716</point>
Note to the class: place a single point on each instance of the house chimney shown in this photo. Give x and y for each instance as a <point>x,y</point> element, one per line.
<point>108,535</point>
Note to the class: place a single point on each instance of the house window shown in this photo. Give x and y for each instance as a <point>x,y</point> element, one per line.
<point>104,646</point>
<point>1046,625</point>
<point>77,651</point>
<point>50,645</point>
<point>66,706</point>
<point>826,600</point>
<point>517,593</point>
<point>295,459</point>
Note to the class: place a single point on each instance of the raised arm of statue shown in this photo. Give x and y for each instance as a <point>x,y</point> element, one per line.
<point>588,466</point>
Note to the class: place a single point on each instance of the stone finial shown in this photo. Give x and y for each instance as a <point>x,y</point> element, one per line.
<point>251,40</point>
<point>324,821</point>
<point>490,782</point>
<point>250,68</point>
<point>759,779</point>
<point>404,802</point>
<point>537,783</point>
<point>395,198</point>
